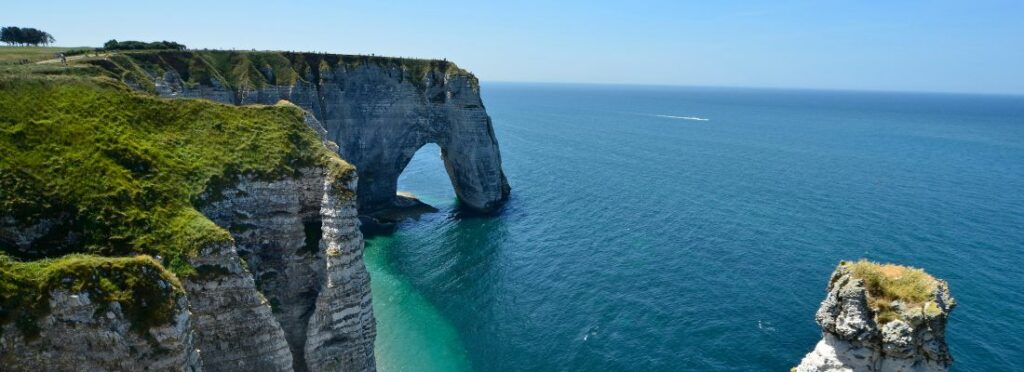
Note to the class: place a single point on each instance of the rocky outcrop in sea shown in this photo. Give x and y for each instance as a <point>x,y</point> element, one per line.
<point>864,329</point>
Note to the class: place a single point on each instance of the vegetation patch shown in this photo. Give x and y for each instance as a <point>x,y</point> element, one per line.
<point>125,172</point>
<point>25,36</point>
<point>146,293</point>
<point>128,169</point>
<point>138,45</point>
<point>241,70</point>
<point>889,283</point>
<point>26,55</point>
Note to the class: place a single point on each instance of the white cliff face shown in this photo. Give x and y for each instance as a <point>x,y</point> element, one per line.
<point>288,292</point>
<point>80,334</point>
<point>303,303</point>
<point>853,341</point>
<point>234,325</point>
<point>379,115</point>
<point>341,330</point>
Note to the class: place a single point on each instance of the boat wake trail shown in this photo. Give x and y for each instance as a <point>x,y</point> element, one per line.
<point>694,118</point>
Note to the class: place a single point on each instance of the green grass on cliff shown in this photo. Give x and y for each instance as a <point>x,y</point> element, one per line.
<point>886,283</point>
<point>146,293</point>
<point>125,170</point>
<point>119,174</point>
<point>251,69</point>
<point>21,55</point>
<point>123,173</point>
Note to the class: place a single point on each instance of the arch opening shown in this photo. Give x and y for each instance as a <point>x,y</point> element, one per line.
<point>422,185</point>
<point>426,179</point>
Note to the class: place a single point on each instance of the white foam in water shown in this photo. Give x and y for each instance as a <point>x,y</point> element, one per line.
<point>683,117</point>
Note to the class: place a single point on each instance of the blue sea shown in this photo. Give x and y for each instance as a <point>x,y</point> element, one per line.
<point>667,229</point>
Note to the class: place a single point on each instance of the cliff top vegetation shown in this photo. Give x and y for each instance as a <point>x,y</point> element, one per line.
<point>124,171</point>
<point>145,291</point>
<point>13,35</point>
<point>117,176</point>
<point>886,283</point>
<point>113,44</point>
<point>10,56</point>
<point>254,69</point>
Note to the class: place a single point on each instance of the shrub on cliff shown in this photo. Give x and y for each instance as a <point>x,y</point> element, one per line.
<point>140,45</point>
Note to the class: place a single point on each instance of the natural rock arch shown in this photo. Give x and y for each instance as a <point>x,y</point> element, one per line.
<point>379,111</point>
<point>379,131</point>
<point>471,164</point>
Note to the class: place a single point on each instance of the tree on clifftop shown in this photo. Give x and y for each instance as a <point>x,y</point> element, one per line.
<point>139,45</point>
<point>25,36</point>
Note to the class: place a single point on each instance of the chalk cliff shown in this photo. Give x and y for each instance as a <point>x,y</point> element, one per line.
<point>231,239</point>
<point>378,110</point>
<point>82,332</point>
<point>882,318</point>
<point>288,292</point>
<point>304,297</point>
<point>232,245</point>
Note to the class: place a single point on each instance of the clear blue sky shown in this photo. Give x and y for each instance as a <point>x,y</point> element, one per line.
<point>936,45</point>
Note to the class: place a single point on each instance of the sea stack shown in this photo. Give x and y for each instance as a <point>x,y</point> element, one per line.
<point>882,317</point>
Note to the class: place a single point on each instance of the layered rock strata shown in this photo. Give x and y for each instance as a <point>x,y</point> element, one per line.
<point>855,338</point>
<point>303,301</point>
<point>288,292</point>
<point>83,334</point>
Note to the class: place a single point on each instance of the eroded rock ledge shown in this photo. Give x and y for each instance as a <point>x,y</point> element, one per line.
<point>882,318</point>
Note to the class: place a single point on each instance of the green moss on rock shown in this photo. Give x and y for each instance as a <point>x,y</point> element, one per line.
<point>147,294</point>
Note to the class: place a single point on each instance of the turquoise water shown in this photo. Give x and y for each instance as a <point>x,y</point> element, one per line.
<point>641,238</point>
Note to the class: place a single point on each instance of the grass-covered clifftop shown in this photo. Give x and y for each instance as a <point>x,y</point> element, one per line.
<point>886,284</point>
<point>254,69</point>
<point>21,55</point>
<point>116,176</point>
<point>124,170</point>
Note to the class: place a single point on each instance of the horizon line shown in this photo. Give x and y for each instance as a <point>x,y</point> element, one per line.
<point>662,85</point>
<point>751,87</point>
